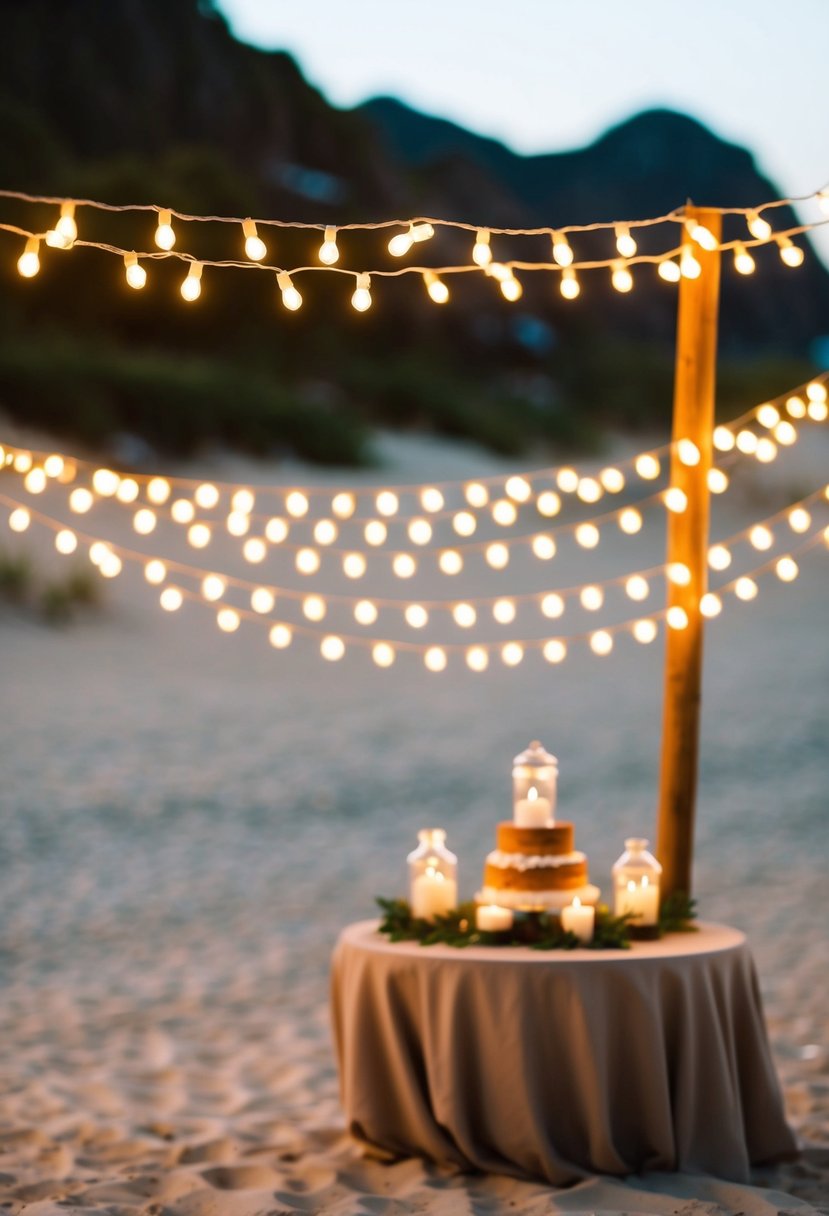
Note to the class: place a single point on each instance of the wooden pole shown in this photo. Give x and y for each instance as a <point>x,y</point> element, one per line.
<point>694,380</point>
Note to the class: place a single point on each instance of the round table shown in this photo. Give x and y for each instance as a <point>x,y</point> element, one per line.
<point>560,1064</point>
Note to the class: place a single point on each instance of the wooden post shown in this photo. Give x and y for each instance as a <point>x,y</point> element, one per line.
<point>694,380</point>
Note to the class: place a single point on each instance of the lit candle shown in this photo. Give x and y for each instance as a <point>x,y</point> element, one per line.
<point>579,919</point>
<point>433,894</point>
<point>640,900</point>
<point>532,811</point>
<point>489,918</point>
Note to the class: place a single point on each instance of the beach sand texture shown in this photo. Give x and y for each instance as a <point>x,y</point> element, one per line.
<point>188,819</point>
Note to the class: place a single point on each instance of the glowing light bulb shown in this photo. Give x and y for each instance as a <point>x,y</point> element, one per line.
<point>743,261</point>
<point>375,532</point>
<point>332,648</point>
<point>477,658</point>
<point>134,273</point>
<point>80,500</point>
<point>435,659</point>
<point>817,391</point>
<point>818,411</point>
<point>567,480</point>
<point>675,500</point>
<point>343,505</point>
<point>795,407</point>
<point>307,561</point>
<point>512,653</point>
<point>314,607</point>
<point>464,615</point>
<point>601,642</point>
<point>401,243</point>
<point>450,562</point>
<point>53,466</point>
<point>476,495</point>
<point>464,523</point>
<point>745,589</point>
<point>66,228</point>
<point>630,521</point>
<point>591,598</point>
<point>436,288</point>
<point>325,532</point>
<point>280,637</point>
<point>676,618</point>
<point>786,569</point>
<point>719,558</point>
<point>387,503</point>
<point>99,552</point>
<point>800,520</point>
<point>361,299</point>
<point>128,490</point>
<point>504,512</point>
<point>383,654</point>
<point>28,264</point>
<point>785,433</point>
<point>647,466</point>
<point>35,481</point>
<point>569,285</point>
<point>757,226</point>
<point>198,535</point>
<point>587,535</point>
<point>790,254</point>
<point>710,605</point>
<point>296,504</point>
<point>766,450</point>
<point>105,482</point>
<point>255,550</point>
<point>420,531</point>
<point>589,489</point>
<point>554,651</point>
<point>613,480</point>
<point>669,270</point>
<point>66,541</point>
<point>238,523</point>
<point>746,442</point>
<point>228,620</point>
<point>183,511</point>
<point>688,265</point>
<point>637,587</point>
<point>497,556</point>
<point>155,571</point>
<point>679,574</point>
<point>354,565</point>
<point>621,278</point>
<point>262,600</point>
<point>518,488</point>
<point>255,247</point>
<point>191,286</point>
<point>213,587</point>
<point>19,519</point>
<point>158,490</point>
<point>504,611</point>
<point>548,504</point>
<point>416,616</point>
<point>544,547</point>
<point>511,289</point>
<point>717,481</point>
<point>562,252</point>
<point>768,415</point>
<point>645,631</point>
<point>404,565</point>
<point>552,606</point>
<point>290,296</point>
<point>723,439</point>
<point>481,252</point>
<point>328,252</point>
<point>688,452</point>
<point>365,612</point>
<point>431,499</point>
<point>165,237</point>
<point>171,599</point>
<point>144,521</point>
<point>703,236</point>
<point>206,496</point>
<point>625,243</point>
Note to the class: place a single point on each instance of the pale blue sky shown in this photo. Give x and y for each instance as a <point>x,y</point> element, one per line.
<point>545,75</point>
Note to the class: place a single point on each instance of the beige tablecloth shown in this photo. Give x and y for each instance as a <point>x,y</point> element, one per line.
<point>559,1065</point>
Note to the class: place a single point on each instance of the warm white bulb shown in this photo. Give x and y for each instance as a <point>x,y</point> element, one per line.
<point>601,642</point>
<point>552,606</point>
<point>669,270</point>
<point>745,589</point>
<point>464,523</point>
<point>332,648</point>
<point>387,503</point>
<point>35,481</point>
<point>307,561</point>
<point>158,490</point>
<point>343,505</point>
<point>361,299</point>
<point>476,495</point>
<point>128,490</point>
<point>504,512</point>
<point>645,630</point>
<point>53,465</point>
<point>238,523</point>
<point>144,521</point>
<point>637,587</point>
<point>723,439</point>
<point>757,226</point>
<point>518,488</point>
<point>431,499</point>
<point>280,637</point>
<point>569,285</point>
<point>710,605</point>
<point>591,598</point>
<point>679,574</point>
<point>548,504</point>
<point>66,541</point>
<point>420,531</point>
<point>688,452</point>
<point>675,500</point>
<point>262,600</point>
<point>613,480</point>
<point>719,558</point>
<point>512,654</point>
<point>689,266</point>
<point>354,565</point>
<point>766,450</point>
<point>19,519</point>
<point>647,466</point>
<point>80,500</point>
<point>435,659</point>
<point>587,535</point>
<point>255,550</point>
<point>544,547</point>
<point>450,562</point>
<point>818,411</point>
<point>743,261</point>
<point>28,264</point>
<point>437,289</point>
<point>329,253</point>
<point>554,651</point>
<point>562,252</point>
<point>365,612</point>
<point>134,273</point>
<point>768,415</point>
<point>155,571</point>
<point>703,236</point>
<point>106,483</point>
<point>676,618</point>
<point>785,433</point>
<point>497,556</point>
<point>99,551</point>
<point>800,520</point>
<point>567,480</point>
<point>511,289</point>
<point>228,620</point>
<point>198,535</point>
<point>625,243</point>
<point>206,496</point>
<point>213,587</point>
<point>481,252</point>
<point>325,532</point>
<point>290,296</point>
<point>404,565</point>
<point>171,599</point>
<point>621,278</point>
<point>416,616</point>
<point>464,615</point>
<point>165,237</point>
<point>817,391</point>
<point>296,504</point>
<point>255,247</point>
<point>400,244</point>
<point>504,611</point>
<point>795,407</point>
<point>477,658</point>
<point>375,532</point>
<point>630,521</point>
<point>786,569</point>
<point>790,254</point>
<point>717,481</point>
<point>314,607</point>
<point>383,654</point>
<point>589,490</point>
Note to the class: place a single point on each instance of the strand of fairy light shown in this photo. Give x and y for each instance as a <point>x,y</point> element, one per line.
<point>109,557</point>
<point>589,487</point>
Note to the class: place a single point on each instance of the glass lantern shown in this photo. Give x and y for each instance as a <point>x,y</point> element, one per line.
<point>636,877</point>
<point>433,876</point>
<point>534,777</point>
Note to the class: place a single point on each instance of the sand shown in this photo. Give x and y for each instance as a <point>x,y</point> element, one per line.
<point>186,820</point>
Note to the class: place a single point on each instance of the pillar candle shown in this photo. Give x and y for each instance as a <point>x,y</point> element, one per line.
<point>489,918</point>
<point>579,919</point>
<point>433,894</point>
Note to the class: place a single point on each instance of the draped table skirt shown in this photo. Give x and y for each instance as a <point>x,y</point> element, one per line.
<point>563,1064</point>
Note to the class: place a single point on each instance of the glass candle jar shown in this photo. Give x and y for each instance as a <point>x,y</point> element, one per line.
<point>534,777</point>
<point>636,878</point>
<point>433,876</point>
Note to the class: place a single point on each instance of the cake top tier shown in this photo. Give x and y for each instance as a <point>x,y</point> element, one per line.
<point>551,841</point>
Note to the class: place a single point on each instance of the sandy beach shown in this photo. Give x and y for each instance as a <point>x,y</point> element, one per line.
<point>188,819</point>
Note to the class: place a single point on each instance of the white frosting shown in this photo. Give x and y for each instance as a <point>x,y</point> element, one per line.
<point>529,901</point>
<point>532,861</point>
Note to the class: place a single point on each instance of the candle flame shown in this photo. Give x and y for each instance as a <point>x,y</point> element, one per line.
<point>644,880</point>
<point>631,885</point>
<point>576,902</point>
<point>532,794</point>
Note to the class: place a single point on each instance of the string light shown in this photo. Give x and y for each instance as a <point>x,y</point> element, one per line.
<point>601,642</point>
<point>766,450</point>
<point>464,523</point>
<point>679,574</point>
<point>65,232</point>
<point>365,612</point>
<point>383,654</point>
<point>719,558</point>
<point>228,620</point>
<point>548,504</point>
<point>645,630</point>
<point>238,523</point>
<point>613,480</point>
<point>290,296</point>
<point>637,588</point>
<point>630,521</point>
<point>255,247</point>
<point>790,254</point>
<point>675,500</point>
<point>332,648</point>
<point>625,243</point>
<point>420,531</point>
<point>450,562</point>
<point>66,541</point>
<point>562,251</point>
<point>435,659</point>
<point>128,490</point>
<point>35,481</point>
<point>183,511</point>
<point>416,616</point>
<point>799,520</point>
<point>213,587</point>
<point>497,556</point>
<point>552,606</point>
<point>314,608</point>
<point>554,651</point>
<point>206,496</point>
<point>745,588</point>
<point>191,286</point>
<point>647,466</point>
<point>80,500</point>
<point>786,569</point>
<point>198,535</point>
<point>757,226</point>
<point>158,488</point>
<point>144,521</point>
<point>621,278</point>
<point>544,547</point>
<point>796,407</point>
<point>504,513</point>
<point>375,532</point>
<point>592,598</point>
<point>134,273</point>
<point>280,637</point>
<point>404,565</point>
<point>717,481</point>
<point>743,261</point>
<point>296,504</point>
<point>155,571</point>
<point>723,439</point>
<point>703,236</point>
<point>481,251</point>
<point>669,270</point>
<point>403,241</point>
<point>255,551</point>
<point>504,611</point>
<point>165,237</point>
<point>587,535</point>
<point>435,287</point>
<point>171,599</point>
<point>464,615</point>
<point>325,532</point>
<point>785,433</point>
<point>343,505</point>
<point>28,264</point>
<point>476,495</point>
<point>354,565</point>
<point>307,561</point>
<point>329,254</point>
<point>19,519</point>
<point>688,453</point>
<point>477,658</point>
<point>710,604</point>
<point>676,618</point>
<point>569,285</point>
<point>431,499</point>
<point>361,299</point>
<point>589,490</point>
<point>689,267</point>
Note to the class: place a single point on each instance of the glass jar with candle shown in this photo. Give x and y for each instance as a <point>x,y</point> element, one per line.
<point>534,778</point>
<point>433,876</point>
<point>636,877</point>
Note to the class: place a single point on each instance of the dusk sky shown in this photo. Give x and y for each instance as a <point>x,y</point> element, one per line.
<point>545,75</point>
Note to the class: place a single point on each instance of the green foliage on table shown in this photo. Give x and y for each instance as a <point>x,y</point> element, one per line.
<point>677,914</point>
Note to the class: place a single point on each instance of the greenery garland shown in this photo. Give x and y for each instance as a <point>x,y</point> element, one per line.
<point>539,930</point>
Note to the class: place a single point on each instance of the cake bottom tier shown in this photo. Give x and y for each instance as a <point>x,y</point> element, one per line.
<point>537,901</point>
